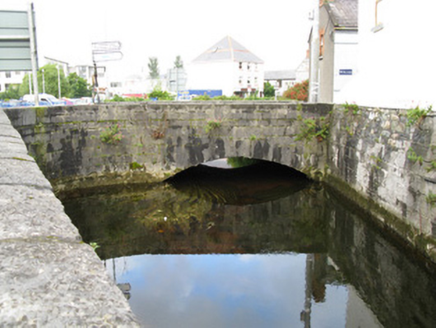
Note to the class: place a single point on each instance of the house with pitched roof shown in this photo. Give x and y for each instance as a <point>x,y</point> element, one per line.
<point>338,49</point>
<point>227,66</point>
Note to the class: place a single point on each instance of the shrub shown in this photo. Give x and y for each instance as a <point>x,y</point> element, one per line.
<point>298,92</point>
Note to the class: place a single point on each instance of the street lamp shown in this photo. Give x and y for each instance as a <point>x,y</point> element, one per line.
<point>43,81</point>
<point>59,82</point>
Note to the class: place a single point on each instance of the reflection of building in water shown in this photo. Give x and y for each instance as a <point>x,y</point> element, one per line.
<point>320,271</point>
<point>124,287</point>
<point>358,313</point>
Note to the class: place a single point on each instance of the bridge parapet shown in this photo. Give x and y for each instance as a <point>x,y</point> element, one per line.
<point>371,155</point>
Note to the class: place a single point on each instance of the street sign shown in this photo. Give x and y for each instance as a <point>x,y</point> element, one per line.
<point>107,56</point>
<point>106,46</point>
<point>106,51</point>
<point>15,39</point>
<point>345,72</point>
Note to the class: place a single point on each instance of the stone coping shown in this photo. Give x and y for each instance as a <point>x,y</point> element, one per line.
<point>48,276</point>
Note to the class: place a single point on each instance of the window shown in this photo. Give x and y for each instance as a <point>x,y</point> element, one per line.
<point>240,65</point>
<point>8,75</point>
<point>321,42</point>
<point>248,66</point>
<point>115,84</point>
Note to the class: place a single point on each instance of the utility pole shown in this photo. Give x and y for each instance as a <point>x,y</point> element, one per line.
<point>314,56</point>
<point>33,52</point>
<point>59,82</point>
<point>43,81</point>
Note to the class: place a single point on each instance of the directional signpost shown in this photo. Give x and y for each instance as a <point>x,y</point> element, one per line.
<point>104,51</point>
<point>18,50</point>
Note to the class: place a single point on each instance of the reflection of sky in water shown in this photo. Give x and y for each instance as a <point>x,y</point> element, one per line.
<point>225,291</point>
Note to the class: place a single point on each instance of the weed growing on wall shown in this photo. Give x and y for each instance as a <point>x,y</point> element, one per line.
<point>353,108</point>
<point>212,125</point>
<point>111,135</point>
<point>431,199</point>
<point>417,115</point>
<point>313,128</point>
<point>413,157</point>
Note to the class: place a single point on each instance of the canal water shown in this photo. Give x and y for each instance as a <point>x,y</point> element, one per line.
<point>243,243</point>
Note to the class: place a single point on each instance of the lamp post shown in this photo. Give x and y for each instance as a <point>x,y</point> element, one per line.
<point>314,56</point>
<point>30,83</point>
<point>43,81</point>
<point>59,82</point>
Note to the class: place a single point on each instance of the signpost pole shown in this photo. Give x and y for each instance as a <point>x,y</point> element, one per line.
<point>33,53</point>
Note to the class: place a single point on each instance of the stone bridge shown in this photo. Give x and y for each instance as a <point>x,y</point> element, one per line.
<point>377,157</point>
<point>380,159</point>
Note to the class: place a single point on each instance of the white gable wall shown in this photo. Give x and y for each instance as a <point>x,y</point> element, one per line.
<point>395,66</point>
<point>225,76</point>
<point>215,76</point>
<point>345,58</point>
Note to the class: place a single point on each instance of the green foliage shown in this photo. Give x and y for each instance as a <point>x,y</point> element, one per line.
<point>212,125</point>
<point>417,115</point>
<point>111,135</point>
<point>413,157</point>
<point>432,166</point>
<point>51,81</point>
<point>94,245</point>
<point>13,92</point>
<point>203,98</point>
<point>253,137</point>
<point>377,160</point>
<point>135,166</point>
<point>313,128</point>
<point>160,95</point>
<point>298,92</point>
<point>153,67</point>
<point>351,107</point>
<point>118,98</point>
<point>268,90</point>
<point>431,198</point>
<point>178,62</point>
<point>236,162</point>
<point>78,86</point>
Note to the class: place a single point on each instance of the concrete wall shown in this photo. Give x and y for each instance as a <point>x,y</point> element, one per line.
<point>365,155</point>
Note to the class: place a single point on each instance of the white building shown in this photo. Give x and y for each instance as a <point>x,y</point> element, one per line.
<point>281,80</point>
<point>395,64</point>
<point>11,78</point>
<point>229,67</point>
<point>338,38</point>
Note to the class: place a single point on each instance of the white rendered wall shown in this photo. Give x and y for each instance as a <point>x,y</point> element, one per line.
<point>396,66</point>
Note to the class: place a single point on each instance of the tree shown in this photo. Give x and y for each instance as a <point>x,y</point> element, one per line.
<point>268,90</point>
<point>178,63</point>
<point>78,86</point>
<point>50,79</point>
<point>12,92</point>
<point>298,92</point>
<point>153,67</point>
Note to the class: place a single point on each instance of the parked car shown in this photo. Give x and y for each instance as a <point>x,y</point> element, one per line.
<point>44,100</point>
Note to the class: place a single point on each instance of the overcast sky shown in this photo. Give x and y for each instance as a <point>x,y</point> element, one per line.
<point>276,31</point>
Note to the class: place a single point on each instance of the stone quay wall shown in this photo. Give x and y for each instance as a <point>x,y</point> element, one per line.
<point>376,157</point>
<point>48,276</point>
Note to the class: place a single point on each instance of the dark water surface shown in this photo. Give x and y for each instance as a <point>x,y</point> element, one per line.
<point>254,247</point>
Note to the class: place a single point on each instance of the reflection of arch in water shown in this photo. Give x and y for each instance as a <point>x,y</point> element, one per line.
<point>239,181</point>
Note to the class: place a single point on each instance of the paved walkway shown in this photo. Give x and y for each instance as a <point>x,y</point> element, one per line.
<point>48,276</point>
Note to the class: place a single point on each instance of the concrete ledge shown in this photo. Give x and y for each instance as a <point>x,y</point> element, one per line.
<point>48,276</point>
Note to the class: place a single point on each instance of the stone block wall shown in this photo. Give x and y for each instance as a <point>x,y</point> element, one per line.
<point>372,156</point>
